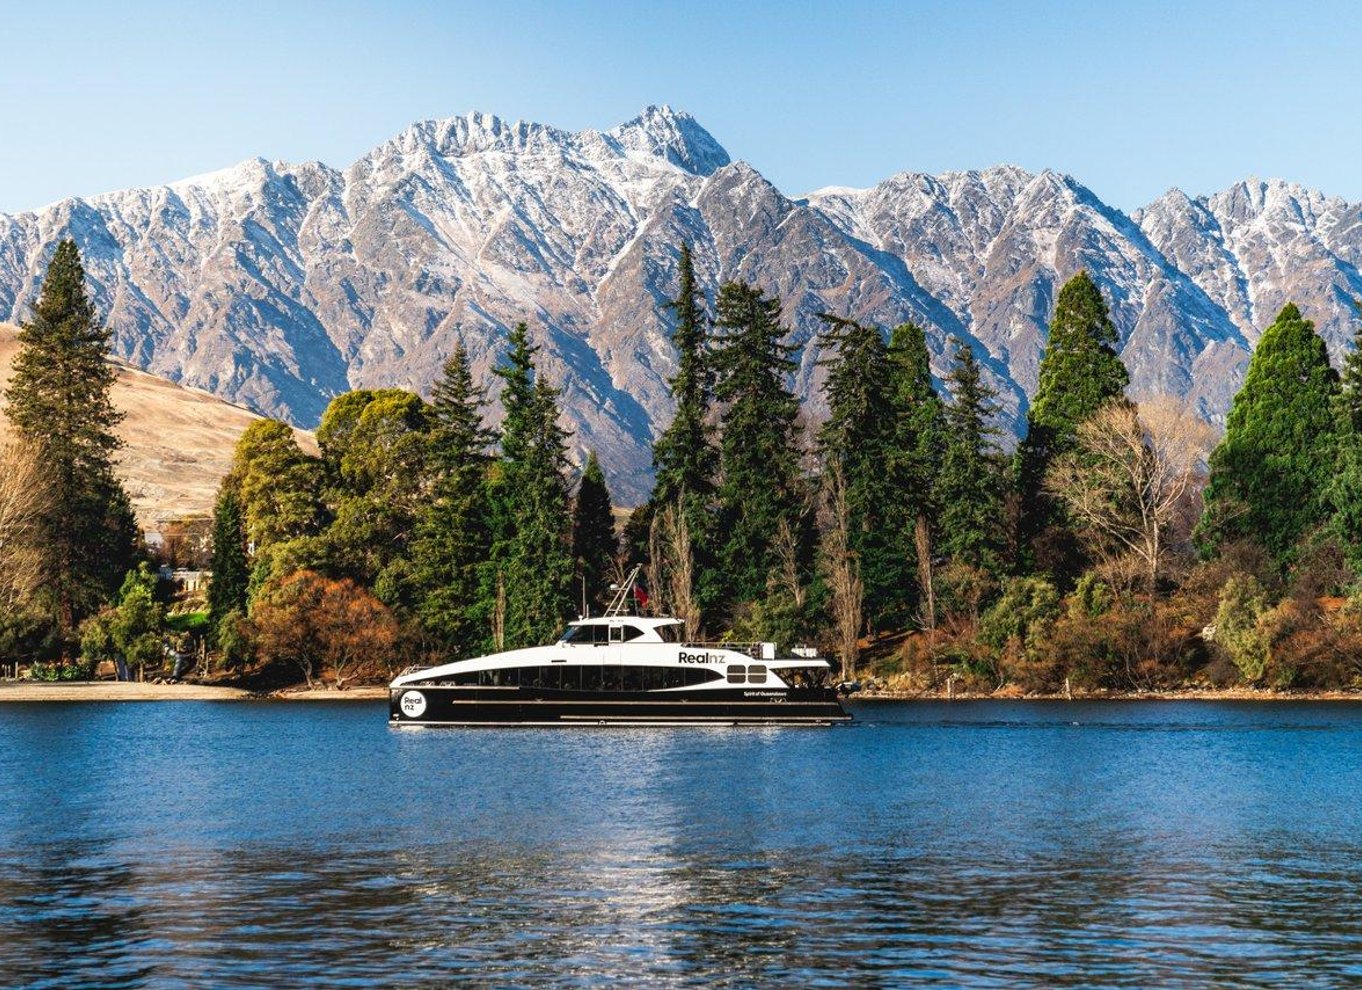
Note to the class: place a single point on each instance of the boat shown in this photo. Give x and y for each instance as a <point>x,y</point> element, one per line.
<point>623,669</point>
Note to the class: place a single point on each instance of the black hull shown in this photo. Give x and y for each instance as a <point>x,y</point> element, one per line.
<point>473,706</point>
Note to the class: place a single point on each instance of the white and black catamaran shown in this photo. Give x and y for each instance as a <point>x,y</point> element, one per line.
<point>622,669</point>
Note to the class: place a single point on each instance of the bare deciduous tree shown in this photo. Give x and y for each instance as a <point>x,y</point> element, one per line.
<point>671,570</point>
<point>841,568</point>
<point>24,497</point>
<point>1129,477</point>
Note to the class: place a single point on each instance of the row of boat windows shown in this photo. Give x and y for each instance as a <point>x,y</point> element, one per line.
<point>606,677</point>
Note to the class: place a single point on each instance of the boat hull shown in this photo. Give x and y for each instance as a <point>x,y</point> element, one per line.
<point>439,705</point>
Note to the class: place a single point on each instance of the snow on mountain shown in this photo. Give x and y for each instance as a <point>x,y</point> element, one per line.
<point>279,286</point>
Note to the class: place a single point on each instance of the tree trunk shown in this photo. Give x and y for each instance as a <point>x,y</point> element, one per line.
<point>922,535</point>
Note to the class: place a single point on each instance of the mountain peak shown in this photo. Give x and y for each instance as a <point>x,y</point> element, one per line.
<point>674,135</point>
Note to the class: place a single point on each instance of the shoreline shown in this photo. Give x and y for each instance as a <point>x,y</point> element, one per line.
<point>46,691</point>
<point>1190,694</point>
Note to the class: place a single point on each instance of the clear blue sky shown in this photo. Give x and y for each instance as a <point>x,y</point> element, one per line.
<point>1130,99</point>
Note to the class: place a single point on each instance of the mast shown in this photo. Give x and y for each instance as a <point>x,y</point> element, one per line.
<point>619,605</point>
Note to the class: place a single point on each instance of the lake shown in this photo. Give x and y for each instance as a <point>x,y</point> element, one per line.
<point>929,844</point>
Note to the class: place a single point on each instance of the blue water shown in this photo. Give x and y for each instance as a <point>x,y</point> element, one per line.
<point>975,843</point>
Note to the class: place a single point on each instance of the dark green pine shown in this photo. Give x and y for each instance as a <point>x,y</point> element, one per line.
<point>231,569</point>
<point>759,452</point>
<point>1271,473</point>
<point>594,546</point>
<point>969,487</point>
<point>59,399</point>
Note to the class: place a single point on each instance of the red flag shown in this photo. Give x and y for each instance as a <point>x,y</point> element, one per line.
<point>640,596</point>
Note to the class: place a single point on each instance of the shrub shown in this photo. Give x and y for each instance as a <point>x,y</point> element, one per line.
<point>1027,606</point>
<point>1238,629</point>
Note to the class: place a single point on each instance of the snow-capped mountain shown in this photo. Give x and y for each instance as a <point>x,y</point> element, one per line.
<point>279,286</point>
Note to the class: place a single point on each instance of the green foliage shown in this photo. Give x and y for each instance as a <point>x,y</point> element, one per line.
<point>279,486</point>
<point>453,540</point>
<point>1090,599</point>
<point>970,484</point>
<point>530,556</point>
<point>43,671</point>
<point>234,642</point>
<point>1345,490</point>
<point>227,590</point>
<point>1079,373</point>
<point>594,546</point>
<point>1239,627</point>
<point>26,635</point>
<point>58,399</point>
<point>1022,614</point>
<point>759,452</point>
<point>1271,473</point>
<point>194,623</point>
<point>138,621</point>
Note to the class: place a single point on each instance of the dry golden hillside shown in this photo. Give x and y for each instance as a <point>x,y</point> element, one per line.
<point>178,440</point>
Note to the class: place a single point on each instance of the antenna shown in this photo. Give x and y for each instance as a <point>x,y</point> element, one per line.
<point>620,603</point>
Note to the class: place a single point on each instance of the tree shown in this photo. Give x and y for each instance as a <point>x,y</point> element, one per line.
<point>231,569</point>
<point>857,440</point>
<point>25,501</point>
<point>684,456</point>
<point>759,452</point>
<point>1127,478</point>
<point>277,485</point>
<point>1271,473</point>
<point>594,546</point>
<point>841,566</point>
<point>1079,373</point>
<point>914,457</point>
<point>452,536</point>
<point>322,626</point>
<point>132,629</point>
<point>59,401</point>
<point>1345,492</point>
<point>531,564</point>
<point>969,487</point>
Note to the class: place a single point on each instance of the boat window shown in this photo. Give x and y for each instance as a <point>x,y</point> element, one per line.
<point>672,633</point>
<point>632,678</point>
<point>610,677</point>
<point>623,634</point>
<point>756,674</point>
<point>591,634</point>
<point>737,674</point>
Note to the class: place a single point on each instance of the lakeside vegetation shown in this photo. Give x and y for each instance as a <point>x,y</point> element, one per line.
<point>1119,548</point>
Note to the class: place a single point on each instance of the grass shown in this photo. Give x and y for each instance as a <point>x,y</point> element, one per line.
<point>190,622</point>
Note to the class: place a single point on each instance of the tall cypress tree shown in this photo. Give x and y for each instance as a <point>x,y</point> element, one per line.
<point>593,532</point>
<point>59,400</point>
<point>969,487</point>
<point>1079,372</point>
<point>453,537</point>
<point>684,456</point>
<point>914,461</point>
<point>759,453</point>
<point>859,433</point>
<point>231,570</point>
<point>1271,473</point>
<point>531,560</point>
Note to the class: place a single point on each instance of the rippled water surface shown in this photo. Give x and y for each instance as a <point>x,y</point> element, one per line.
<point>974,843</point>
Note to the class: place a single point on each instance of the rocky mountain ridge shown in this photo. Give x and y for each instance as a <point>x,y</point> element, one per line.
<point>278,285</point>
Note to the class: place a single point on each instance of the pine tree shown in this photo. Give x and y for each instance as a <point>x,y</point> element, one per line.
<point>911,468</point>
<point>1345,492</point>
<point>684,456</point>
<point>859,434</point>
<point>1079,372</point>
<point>531,562</point>
<point>59,400</point>
<point>1271,473</point>
<point>594,546</point>
<point>453,538</point>
<point>231,570</point>
<point>969,488</point>
<point>759,453</point>
<point>1351,380</point>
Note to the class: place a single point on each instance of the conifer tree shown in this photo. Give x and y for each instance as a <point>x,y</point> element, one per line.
<point>1079,372</point>
<point>59,400</point>
<point>913,464</point>
<point>684,456</point>
<point>453,538</point>
<point>1271,473</point>
<point>531,560</point>
<point>859,435</point>
<point>969,487</point>
<point>1345,492</point>
<point>594,546</point>
<point>231,570</point>
<point>759,453</point>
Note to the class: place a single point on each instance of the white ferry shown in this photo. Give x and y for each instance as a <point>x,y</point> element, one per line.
<point>622,670</point>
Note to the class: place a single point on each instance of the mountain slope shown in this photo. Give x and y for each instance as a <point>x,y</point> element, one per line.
<point>278,286</point>
<point>178,441</point>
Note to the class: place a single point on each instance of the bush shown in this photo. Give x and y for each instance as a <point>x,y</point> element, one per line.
<point>1238,627</point>
<point>1026,608</point>
<point>57,671</point>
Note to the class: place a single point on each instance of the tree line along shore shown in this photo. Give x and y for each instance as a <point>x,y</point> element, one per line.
<point>1121,549</point>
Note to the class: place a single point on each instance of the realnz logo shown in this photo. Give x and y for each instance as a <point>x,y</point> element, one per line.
<point>685,657</point>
